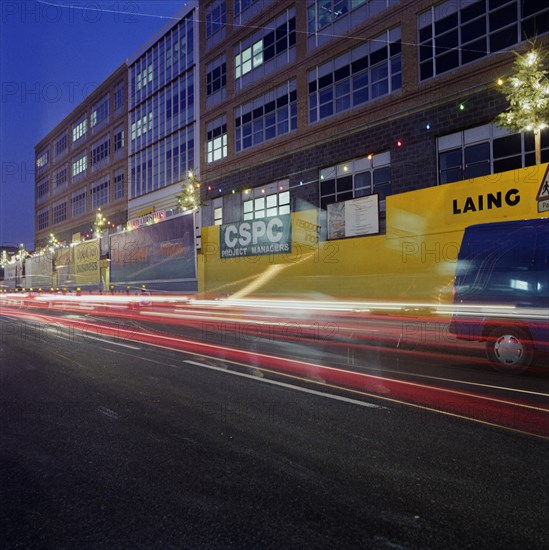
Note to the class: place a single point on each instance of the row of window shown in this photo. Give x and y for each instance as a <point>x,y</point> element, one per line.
<point>328,18</point>
<point>271,115</point>
<point>268,49</point>
<point>100,154</point>
<point>163,113</point>
<point>457,32</point>
<point>320,13</point>
<point>216,18</point>
<point>164,163</point>
<point>170,56</point>
<point>216,76</point>
<point>472,153</point>
<point>98,116</point>
<point>265,204</point>
<point>361,75</point>
<point>355,178</point>
<point>372,70</point>
<point>245,10</point>
<point>450,34</point>
<point>163,108</point>
<point>265,45</point>
<point>484,150</point>
<point>99,196</point>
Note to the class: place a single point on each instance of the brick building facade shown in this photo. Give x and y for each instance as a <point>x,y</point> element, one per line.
<point>82,165</point>
<point>394,81</point>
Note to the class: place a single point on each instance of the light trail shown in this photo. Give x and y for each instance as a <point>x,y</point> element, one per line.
<point>350,331</point>
<point>524,416</point>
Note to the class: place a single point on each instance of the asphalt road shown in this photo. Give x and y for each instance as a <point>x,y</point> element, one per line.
<point>111,444</point>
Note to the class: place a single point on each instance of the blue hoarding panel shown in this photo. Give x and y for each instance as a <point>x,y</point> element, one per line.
<point>164,252</point>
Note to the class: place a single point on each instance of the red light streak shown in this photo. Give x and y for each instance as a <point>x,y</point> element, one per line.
<point>520,415</point>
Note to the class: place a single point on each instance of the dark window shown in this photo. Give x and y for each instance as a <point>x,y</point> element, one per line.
<point>507,146</point>
<point>327,187</point>
<point>379,55</point>
<point>447,61</point>
<point>382,182</point>
<point>503,39</point>
<point>534,26</point>
<point>474,50</point>
<point>360,64</point>
<point>446,41</point>
<point>473,30</point>
<point>477,153</point>
<point>447,23</point>
<point>472,11</point>
<point>450,166</point>
<point>425,33</point>
<point>344,184</point>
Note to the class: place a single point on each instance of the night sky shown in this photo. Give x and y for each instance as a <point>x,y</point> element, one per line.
<point>52,55</point>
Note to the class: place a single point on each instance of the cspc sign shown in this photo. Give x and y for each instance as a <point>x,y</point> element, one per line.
<point>256,237</point>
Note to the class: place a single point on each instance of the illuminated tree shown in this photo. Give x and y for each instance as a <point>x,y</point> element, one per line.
<point>527,92</point>
<point>99,224</point>
<point>22,253</point>
<point>53,243</point>
<point>189,199</point>
<point>4,260</point>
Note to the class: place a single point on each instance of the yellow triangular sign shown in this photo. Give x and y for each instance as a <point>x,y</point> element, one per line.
<point>543,193</point>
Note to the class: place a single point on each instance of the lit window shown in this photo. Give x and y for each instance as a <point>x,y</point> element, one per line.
<point>79,130</point>
<point>43,160</point>
<point>265,202</point>
<point>79,165</point>
<point>217,140</point>
<point>267,44</point>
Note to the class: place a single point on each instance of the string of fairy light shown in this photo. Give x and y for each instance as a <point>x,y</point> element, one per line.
<point>527,93</point>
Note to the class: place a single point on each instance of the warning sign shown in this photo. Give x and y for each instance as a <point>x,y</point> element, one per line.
<point>543,193</point>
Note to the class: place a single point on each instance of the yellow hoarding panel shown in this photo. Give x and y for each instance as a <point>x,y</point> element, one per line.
<point>414,261</point>
<point>85,258</point>
<point>454,206</point>
<point>62,275</point>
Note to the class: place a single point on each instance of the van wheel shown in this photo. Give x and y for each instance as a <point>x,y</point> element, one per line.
<point>509,349</point>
